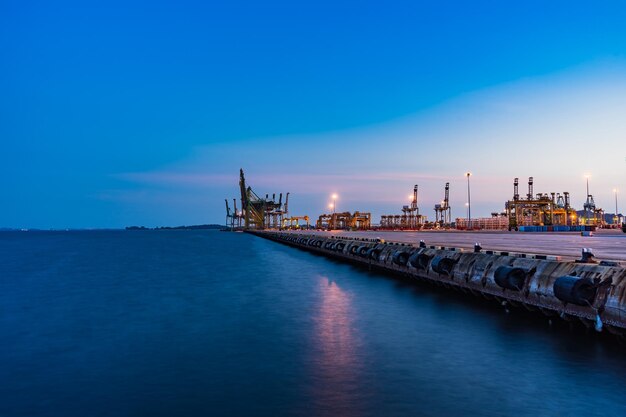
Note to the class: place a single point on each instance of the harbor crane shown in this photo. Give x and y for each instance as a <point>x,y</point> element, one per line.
<point>261,213</point>
<point>409,219</point>
<point>443,211</point>
<point>233,217</point>
<point>230,216</point>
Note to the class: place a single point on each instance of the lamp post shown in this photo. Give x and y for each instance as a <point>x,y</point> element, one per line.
<point>587,201</point>
<point>469,202</point>
<point>616,212</point>
<point>334,197</point>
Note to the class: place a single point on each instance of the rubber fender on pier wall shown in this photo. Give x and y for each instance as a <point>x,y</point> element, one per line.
<point>442,265</point>
<point>585,292</point>
<point>575,290</point>
<point>400,257</point>
<point>419,260</point>
<point>373,253</point>
<point>510,278</point>
<point>363,251</point>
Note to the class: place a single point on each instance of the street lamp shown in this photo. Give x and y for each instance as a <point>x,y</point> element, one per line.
<point>586,205</point>
<point>616,212</point>
<point>469,202</point>
<point>334,197</point>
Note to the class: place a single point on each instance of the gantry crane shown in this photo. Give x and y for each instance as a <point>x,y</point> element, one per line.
<point>257,212</point>
<point>233,218</point>
<point>261,213</point>
<point>230,216</point>
<point>410,218</point>
<point>345,221</point>
<point>594,216</point>
<point>443,211</point>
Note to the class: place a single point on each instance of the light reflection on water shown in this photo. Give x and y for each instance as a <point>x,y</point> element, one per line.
<point>337,363</point>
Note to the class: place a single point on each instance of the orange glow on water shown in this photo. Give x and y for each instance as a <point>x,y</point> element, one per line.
<point>334,322</point>
<point>337,363</point>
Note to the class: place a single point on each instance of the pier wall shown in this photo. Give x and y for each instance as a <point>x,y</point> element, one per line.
<point>593,294</point>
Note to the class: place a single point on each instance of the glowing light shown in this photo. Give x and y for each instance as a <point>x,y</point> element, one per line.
<point>337,342</point>
<point>334,196</point>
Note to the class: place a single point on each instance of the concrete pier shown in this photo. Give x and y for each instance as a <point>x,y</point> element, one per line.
<point>593,294</point>
<point>608,245</point>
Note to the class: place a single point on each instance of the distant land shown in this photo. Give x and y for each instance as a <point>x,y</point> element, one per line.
<point>37,229</point>
<point>193,227</point>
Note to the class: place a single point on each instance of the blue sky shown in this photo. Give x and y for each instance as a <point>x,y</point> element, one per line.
<point>117,113</point>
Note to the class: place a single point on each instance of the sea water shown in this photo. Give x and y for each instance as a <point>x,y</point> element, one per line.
<point>209,323</point>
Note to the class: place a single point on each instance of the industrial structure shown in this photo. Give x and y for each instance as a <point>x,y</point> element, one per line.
<point>593,216</point>
<point>443,211</point>
<point>259,213</point>
<point>539,210</point>
<point>294,222</point>
<point>234,218</point>
<point>545,211</point>
<point>497,221</point>
<point>345,221</point>
<point>410,219</point>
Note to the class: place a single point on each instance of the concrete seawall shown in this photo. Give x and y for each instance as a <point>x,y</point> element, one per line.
<point>593,294</point>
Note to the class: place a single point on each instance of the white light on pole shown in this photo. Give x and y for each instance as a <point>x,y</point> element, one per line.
<point>587,202</point>
<point>469,202</point>
<point>616,212</point>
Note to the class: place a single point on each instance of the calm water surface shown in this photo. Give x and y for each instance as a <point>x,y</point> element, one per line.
<point>205,323</point>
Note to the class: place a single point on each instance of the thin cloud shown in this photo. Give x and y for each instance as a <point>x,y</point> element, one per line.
<point>554,128</point>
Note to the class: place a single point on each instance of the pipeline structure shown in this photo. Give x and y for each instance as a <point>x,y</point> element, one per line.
<point>593,294</point>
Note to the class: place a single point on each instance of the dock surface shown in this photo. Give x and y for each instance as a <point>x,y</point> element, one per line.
<point>607,245</point>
